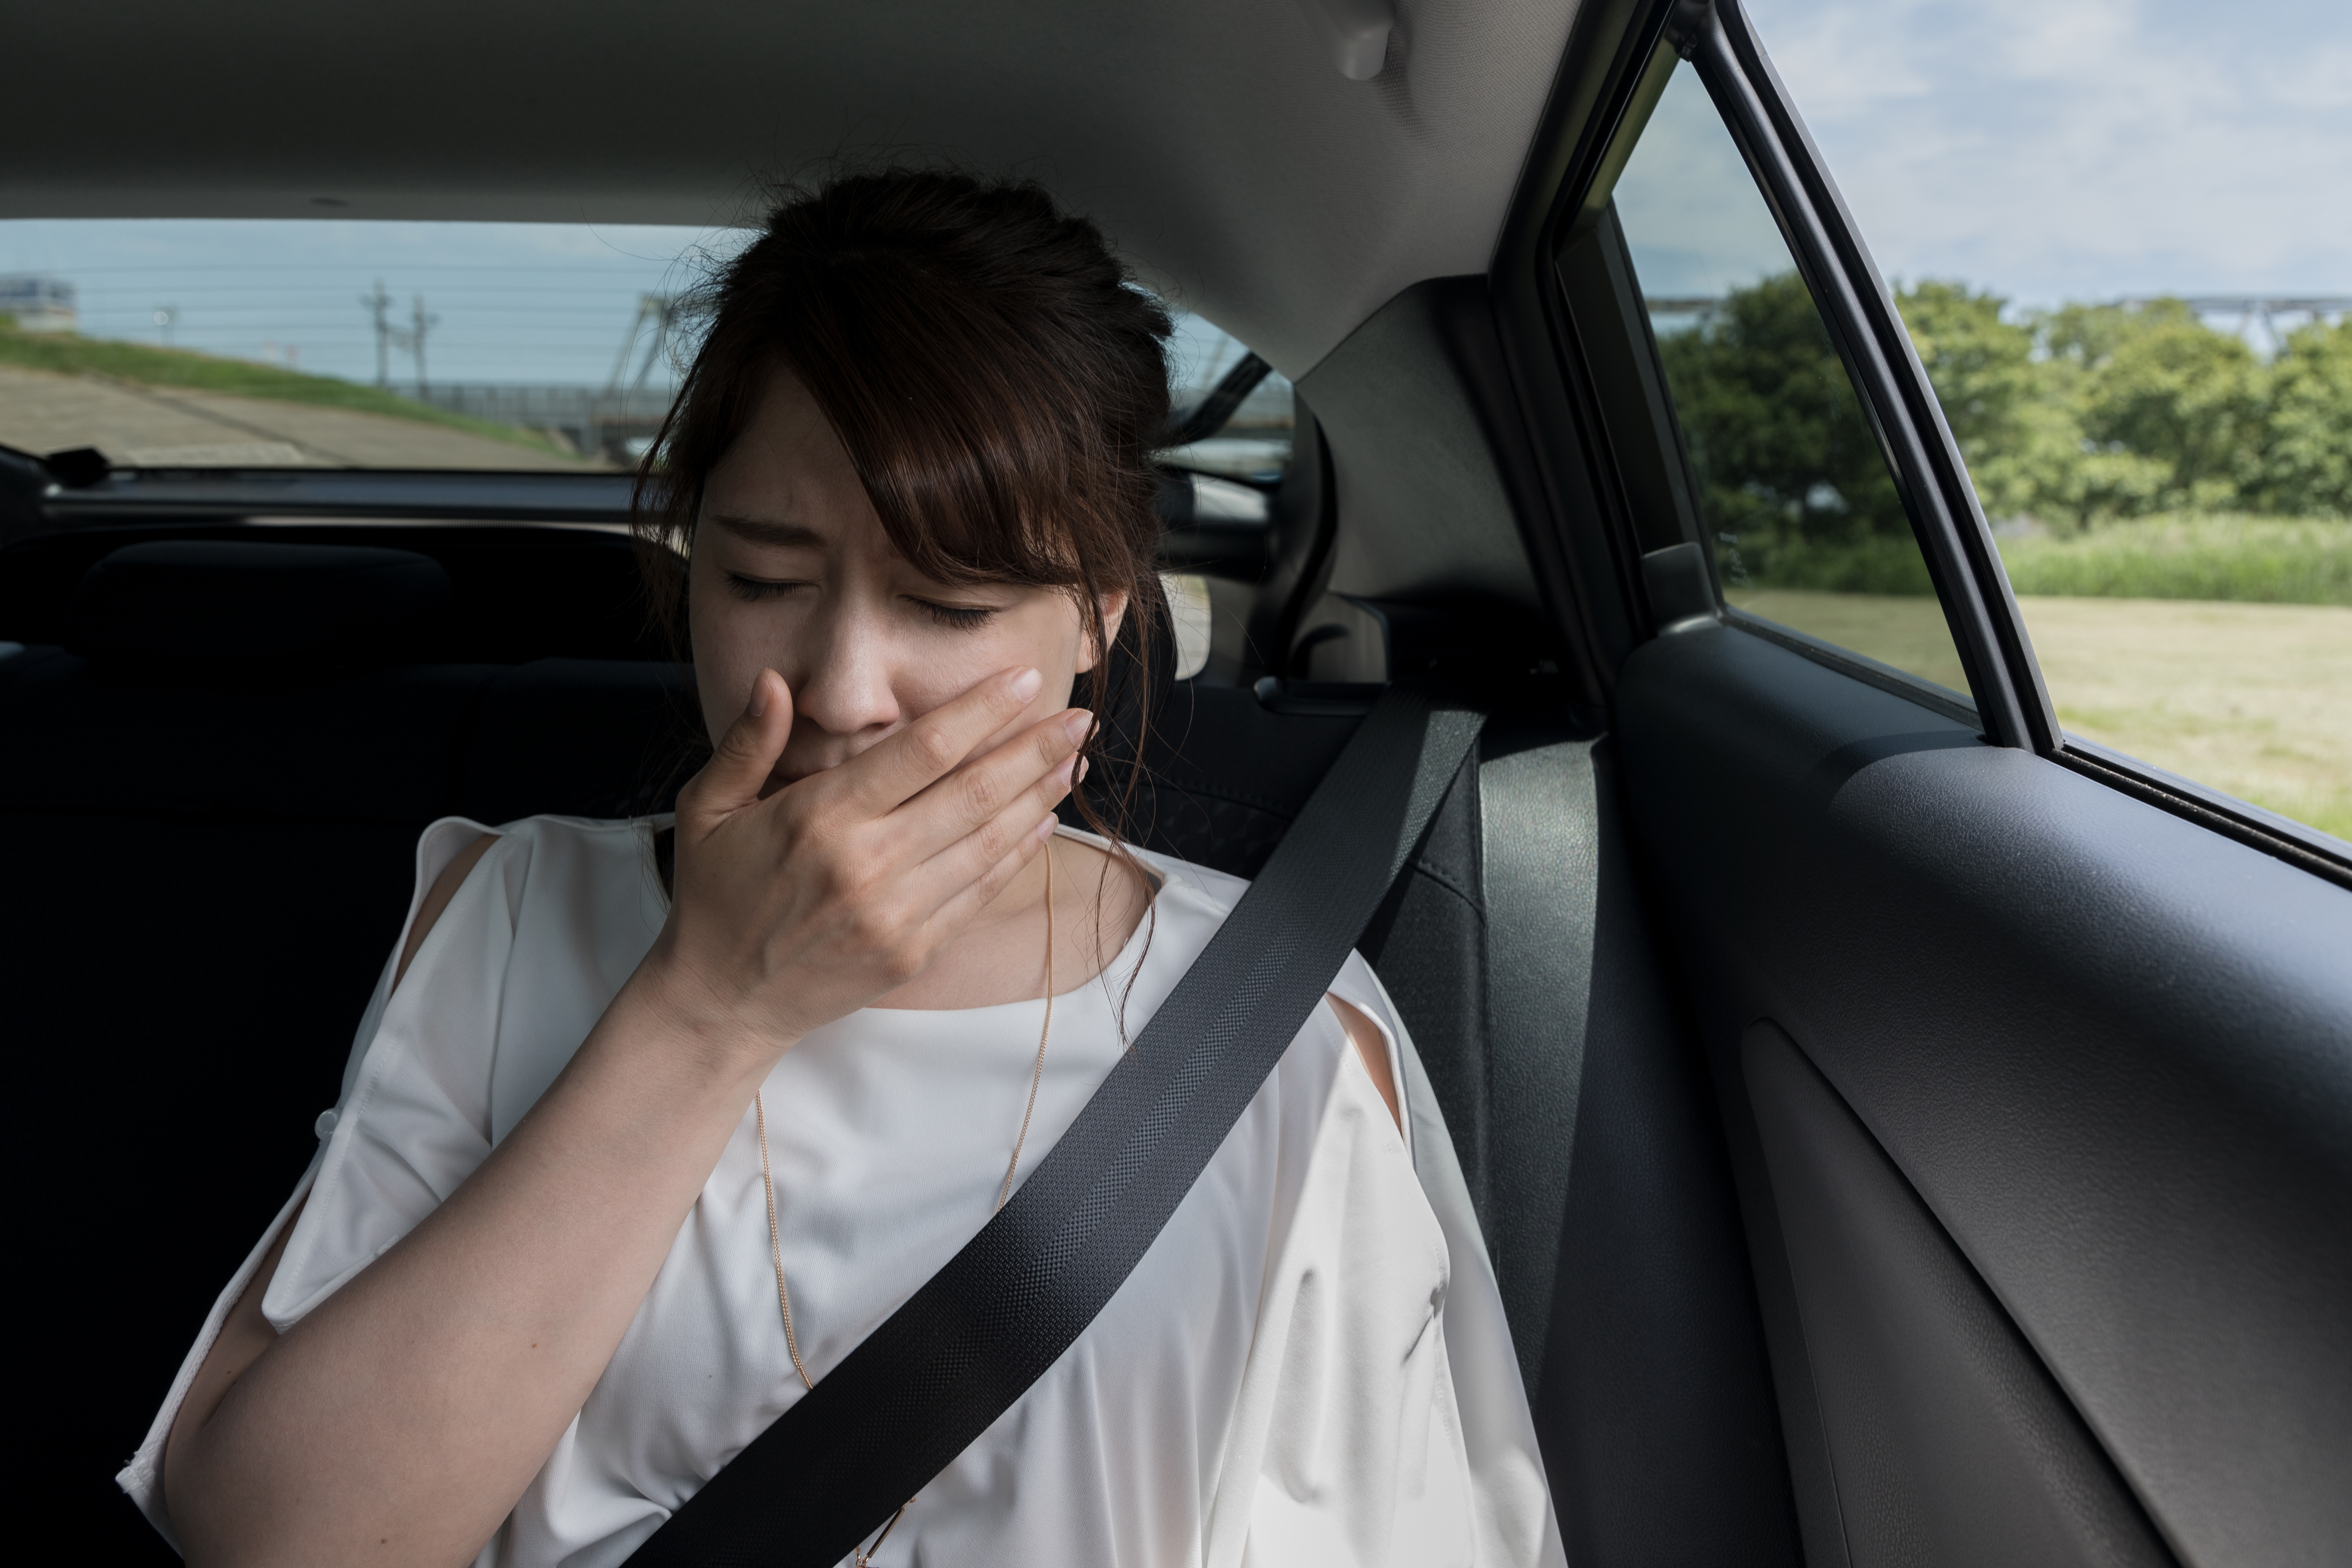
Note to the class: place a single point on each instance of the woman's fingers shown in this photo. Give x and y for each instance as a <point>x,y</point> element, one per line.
<point>745,757</point>
<point>978,891</point>
<point>1038,762</point>
<point>928,749</point>
<point>969,860</point>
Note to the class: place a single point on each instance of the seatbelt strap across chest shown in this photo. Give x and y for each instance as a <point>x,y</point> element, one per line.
<point>899,1408</point>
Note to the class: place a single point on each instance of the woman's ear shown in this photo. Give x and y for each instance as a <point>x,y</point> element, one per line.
<point>1113,610</point>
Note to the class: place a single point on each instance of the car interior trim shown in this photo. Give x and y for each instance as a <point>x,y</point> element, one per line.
<point>1949,1444</point>
<point>1596,568</point>
<point>1952,705</point>
<point>2305,848</point>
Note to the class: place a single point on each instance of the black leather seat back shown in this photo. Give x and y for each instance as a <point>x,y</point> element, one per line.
<point>1522,953</point>
<point>211,802</point>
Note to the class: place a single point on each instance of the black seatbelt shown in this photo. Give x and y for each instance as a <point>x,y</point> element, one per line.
<point>899,1409</point>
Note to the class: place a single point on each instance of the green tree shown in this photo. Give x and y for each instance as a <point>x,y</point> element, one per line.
<point>1785,460</point>
<point>2017,434</point>
<point>1982,366</point>
<point>2171,411</point>
<point>2305,461</point>
<point>1984,377</point>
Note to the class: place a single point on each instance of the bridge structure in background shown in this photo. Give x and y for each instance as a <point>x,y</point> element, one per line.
<point>613,424</point>
<point>2272,319</point>
<point>616,423</point>
<point>2261,321</point>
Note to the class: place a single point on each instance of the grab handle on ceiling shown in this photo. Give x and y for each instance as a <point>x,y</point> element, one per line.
<point>1355,32</point>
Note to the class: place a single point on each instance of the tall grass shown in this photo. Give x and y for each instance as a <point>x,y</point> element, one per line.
<point>1880,564</point>
<point>2260,560</point>
<point>2265,560</point>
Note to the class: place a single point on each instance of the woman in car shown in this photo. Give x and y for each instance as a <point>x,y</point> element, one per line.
<point>649,1124</point>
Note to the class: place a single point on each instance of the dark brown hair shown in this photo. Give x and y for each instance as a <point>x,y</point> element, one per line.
<point>998,381</point>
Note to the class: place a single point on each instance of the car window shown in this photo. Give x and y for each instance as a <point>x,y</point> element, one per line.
<point>1255,442</point>
<point>1796,507</point>
<point>1191,620</point>
<point>269,343</point>
<point>2140,328</point>
<point>326,344</point>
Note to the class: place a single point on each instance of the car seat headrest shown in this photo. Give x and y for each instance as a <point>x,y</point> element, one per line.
<point>222,602</point>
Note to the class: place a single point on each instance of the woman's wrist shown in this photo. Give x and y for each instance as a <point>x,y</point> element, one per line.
<point>669,1000</point>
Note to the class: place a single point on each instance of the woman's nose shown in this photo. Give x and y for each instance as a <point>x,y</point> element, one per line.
<point>846,684</point>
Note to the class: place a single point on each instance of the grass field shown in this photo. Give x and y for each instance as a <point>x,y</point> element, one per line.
<point>2252,699</point>
<point>2262,560</point>
<point>67,353</point>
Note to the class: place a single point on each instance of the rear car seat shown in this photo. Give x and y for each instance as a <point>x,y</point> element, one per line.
<point>220,752</point>
<point>214,787</point>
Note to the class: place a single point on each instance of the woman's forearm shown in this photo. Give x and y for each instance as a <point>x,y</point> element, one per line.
<point>399,1421</point>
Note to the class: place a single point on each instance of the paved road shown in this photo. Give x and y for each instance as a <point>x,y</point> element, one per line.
<point>43,412</point>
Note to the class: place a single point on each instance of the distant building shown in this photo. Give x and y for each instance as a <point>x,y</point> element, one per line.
<point>38,304</point>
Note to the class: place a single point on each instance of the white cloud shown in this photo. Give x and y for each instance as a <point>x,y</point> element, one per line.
<point>2084,149</point>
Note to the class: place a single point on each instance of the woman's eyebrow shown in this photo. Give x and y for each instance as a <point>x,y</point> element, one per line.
<point>786,535</point>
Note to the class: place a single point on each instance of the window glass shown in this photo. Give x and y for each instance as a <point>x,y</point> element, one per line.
<point>2133,304</point>
<point>1796,503</point>
<point>1254,443</point>
<point>204,343</point>
<point>1192,618</point>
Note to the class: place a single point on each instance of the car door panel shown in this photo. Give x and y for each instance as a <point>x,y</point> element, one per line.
<point>1951,1442</point>
<point>2106,1049</point>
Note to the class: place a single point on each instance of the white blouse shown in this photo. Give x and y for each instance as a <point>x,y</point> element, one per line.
<point>1310,1365</point>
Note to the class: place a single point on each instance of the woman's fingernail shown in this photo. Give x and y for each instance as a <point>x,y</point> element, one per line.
<point>759,704</point>
<point>1046,828</point>
<point>1080,723</point>
<point>1027,684</point>
<point>1083,766</point>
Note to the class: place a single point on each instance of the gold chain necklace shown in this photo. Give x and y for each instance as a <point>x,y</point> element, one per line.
<point>767,1180</point>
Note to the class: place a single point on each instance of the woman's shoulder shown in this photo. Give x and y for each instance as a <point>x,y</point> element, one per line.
<point>570,868</point>
<point>1215,892</point>
<point>534,839</point>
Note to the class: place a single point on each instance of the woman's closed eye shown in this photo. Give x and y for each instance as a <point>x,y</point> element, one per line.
<point>956,617</point>
<point>960,617</point>
<point>754,589</point>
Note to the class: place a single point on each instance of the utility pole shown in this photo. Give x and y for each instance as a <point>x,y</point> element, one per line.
<point>378,303</point>
<point>409,339</point>
<point>165,315</point>
<point>423,324</point>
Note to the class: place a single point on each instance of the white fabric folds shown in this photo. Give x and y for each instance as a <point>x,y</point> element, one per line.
<point>1309,1366</point>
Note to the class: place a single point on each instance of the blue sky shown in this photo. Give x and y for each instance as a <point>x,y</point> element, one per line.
<point>550,303</point>
<point>2056,150</point>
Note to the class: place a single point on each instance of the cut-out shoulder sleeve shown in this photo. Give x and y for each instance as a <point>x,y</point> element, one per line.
<point>1515,1522</point>
<point>1372,1048</point>
<point>436,900</point>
